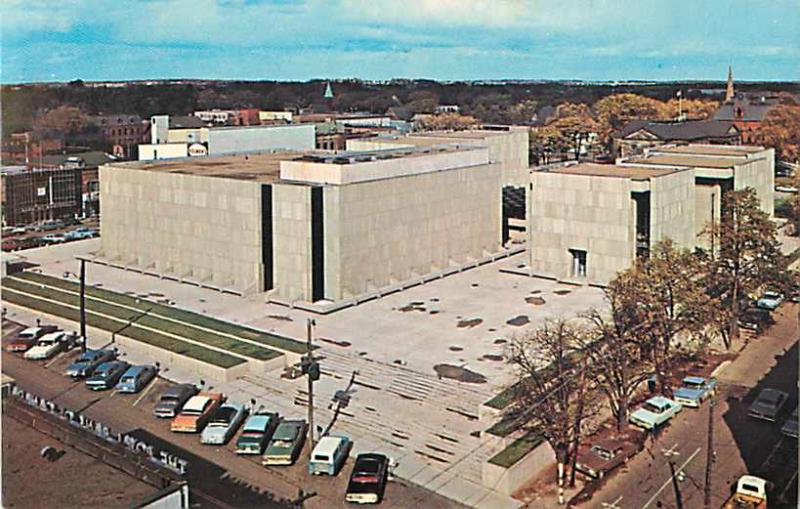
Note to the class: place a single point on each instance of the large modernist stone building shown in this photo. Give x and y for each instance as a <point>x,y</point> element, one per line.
<point>586,222</point>
<point>307,227</point>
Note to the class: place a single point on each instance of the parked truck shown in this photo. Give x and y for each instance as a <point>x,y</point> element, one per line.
<point>751,493</point>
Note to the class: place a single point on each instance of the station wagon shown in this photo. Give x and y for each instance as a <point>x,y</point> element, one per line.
<point>136,378</point>
<point>329,455</point>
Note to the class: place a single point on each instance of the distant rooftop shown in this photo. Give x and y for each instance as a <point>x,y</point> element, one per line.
<point>711,150</point>
<point>364,156</point>
<point>687,160</point>
<point>609,170</point>
<point>263,167</point>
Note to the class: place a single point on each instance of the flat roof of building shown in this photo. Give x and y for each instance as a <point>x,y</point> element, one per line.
<point>688,160</point>
<point>260,166</point>
<point>471,134</point>
<point>711,150</point>
<point>610,170</point>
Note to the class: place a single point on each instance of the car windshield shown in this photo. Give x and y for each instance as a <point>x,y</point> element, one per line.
<point>128,379</point>
<point>652,407</point>
<point>223,416</point>
<point>26,335</point>
<point>692,384</point>
<point>165,398</point>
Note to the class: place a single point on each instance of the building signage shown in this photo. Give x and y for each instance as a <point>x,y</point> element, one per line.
<point>162,457</point>
<point>41,191</point>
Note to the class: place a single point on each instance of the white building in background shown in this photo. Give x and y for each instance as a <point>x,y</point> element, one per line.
<point>170,139</point>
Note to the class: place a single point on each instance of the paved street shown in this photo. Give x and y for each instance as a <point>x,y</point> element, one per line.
<point>742,444</point>
<point>237,481</point>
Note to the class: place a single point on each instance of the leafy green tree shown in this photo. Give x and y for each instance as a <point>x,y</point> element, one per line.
<point>747,259</point>
<point>662,298</point>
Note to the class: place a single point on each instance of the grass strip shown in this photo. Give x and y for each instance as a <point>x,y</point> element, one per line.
<point>190,350</point>
<point>518,449</point>
<point>190,317</point>
<point>144,320</point>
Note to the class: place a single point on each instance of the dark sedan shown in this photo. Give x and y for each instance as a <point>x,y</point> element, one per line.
<point>172,400</point>
<point>768,404</point>
<point>368,480</point>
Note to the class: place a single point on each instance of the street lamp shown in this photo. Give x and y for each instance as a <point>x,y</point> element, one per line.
<point>82,278</point>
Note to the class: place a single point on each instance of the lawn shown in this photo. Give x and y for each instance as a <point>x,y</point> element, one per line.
<point>197,352</point>
<point>191,318</point>
<point>517,449</point>
<point>144,319</point>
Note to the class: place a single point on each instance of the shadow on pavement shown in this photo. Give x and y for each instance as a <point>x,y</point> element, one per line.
<point>765,451</point>
<point>213,481</point>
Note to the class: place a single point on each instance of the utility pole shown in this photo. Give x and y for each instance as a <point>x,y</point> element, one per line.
<point>311,370</point>
<point>83,305</point>
<point>671,453</point>
<point>709,454</point>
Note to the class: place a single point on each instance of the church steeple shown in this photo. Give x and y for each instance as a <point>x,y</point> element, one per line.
<point>729,91</point>
<point>328,91</point>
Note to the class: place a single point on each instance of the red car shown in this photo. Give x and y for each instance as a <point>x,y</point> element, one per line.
<point>601,457</point>
<point>25,339</point>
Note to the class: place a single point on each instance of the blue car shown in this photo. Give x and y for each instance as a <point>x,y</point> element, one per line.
<point>694,390</point>
<point>88,362</point>
<point>136,378</point>
<point>106,375</point>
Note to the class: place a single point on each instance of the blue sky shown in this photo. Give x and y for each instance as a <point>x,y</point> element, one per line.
<point>47,40</point>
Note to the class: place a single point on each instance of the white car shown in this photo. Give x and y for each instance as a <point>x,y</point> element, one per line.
<point>51,344</point>
<point>655,412</point>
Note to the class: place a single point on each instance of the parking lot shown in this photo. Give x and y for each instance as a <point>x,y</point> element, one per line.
<point>217,474</point>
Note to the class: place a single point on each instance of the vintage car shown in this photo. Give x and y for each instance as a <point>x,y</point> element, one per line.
<point>329,455</point>
<point>655,412</point>
<point>136,378</point>
<point>26,338</point>
<point>80,234</point>
<point>172,400</point>
<point>89,361</point>
<point>195,414</point>
<point>694,390</point>
<point>286,443</point>
<point>598,458</point>
<point>769,300</point>
<point>51,344</point>
<point>368,479</point>
<point>223,424</point>
<point>106,375</point>
<point>256,433</point>
<point>756,320</point>
<point>768,405</point>
<point>789,427</point>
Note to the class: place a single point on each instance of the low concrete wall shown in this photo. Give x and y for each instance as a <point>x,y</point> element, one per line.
<point>257,367</point>
<point>509,480</point>
<point>173,360</point>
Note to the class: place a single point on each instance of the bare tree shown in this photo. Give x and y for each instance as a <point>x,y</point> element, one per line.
<point>550,392</point>
<point>616,363</point>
